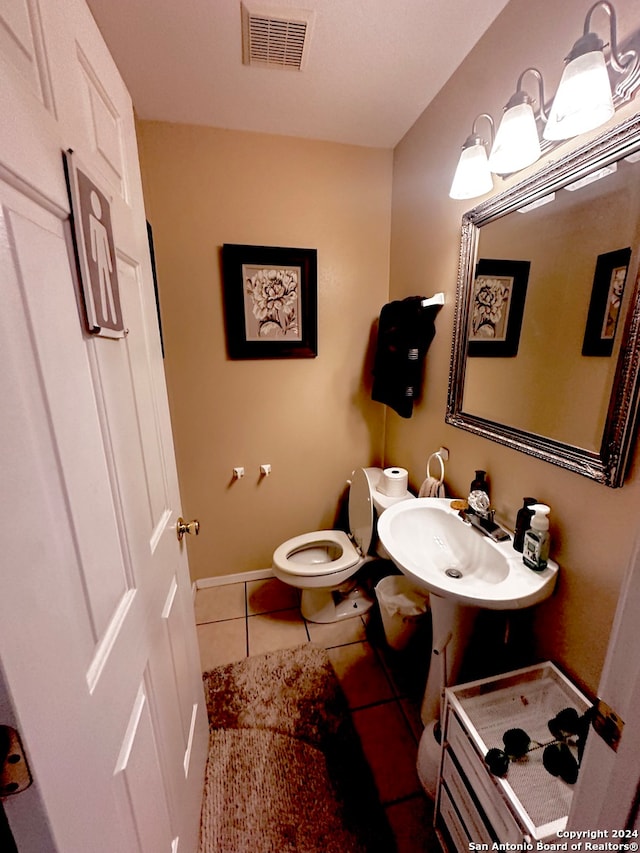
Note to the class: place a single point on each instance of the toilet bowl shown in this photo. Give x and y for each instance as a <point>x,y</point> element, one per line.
<point>322,564</point>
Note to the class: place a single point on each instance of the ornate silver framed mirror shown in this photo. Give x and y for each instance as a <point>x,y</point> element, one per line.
<point>545,352</point>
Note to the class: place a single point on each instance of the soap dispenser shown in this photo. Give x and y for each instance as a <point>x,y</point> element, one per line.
<point>536,539</point>
<point>523,522</point>
<point>479,483</point>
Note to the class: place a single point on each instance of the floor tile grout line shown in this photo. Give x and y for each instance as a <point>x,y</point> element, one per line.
<point>369,705</point>
<point>217,621</point>
<point>408,723</point>
<point>403,715</point>
<point>381,661</point>
<point>418,795</point>
<point>244,616</point>
<point>275,610</point>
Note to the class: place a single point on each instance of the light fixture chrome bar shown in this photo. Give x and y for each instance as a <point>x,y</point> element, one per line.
<point>628,63</point>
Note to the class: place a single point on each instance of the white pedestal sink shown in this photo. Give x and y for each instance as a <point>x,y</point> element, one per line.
<point>464,572</point>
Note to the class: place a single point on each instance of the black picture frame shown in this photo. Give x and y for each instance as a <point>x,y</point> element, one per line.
<point>609,280</point>
<point>154,273</point>
<point>497,307</point>
<point>271,301</point>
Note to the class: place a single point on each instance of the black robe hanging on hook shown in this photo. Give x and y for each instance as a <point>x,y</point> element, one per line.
<point>405,332</point>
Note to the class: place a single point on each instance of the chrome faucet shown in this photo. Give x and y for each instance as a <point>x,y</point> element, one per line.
<point>480,515</point>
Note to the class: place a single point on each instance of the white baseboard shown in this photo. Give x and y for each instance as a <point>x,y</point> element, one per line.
<point>241,577</point>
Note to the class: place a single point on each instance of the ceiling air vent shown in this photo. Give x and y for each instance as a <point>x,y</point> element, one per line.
<point>275,38</point>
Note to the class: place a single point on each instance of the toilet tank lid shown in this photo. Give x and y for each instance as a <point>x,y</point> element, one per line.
<point>382,502</point>
<point>361,512</point>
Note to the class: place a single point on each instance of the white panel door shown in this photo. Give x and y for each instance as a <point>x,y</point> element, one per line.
<point>607,795</point>
<point>97,636</point>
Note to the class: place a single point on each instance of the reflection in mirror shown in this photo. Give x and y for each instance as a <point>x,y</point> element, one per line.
<point>545,344</point>
<point>550,388</point>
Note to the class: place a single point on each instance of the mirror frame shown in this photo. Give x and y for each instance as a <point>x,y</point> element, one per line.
<point>608,465</point>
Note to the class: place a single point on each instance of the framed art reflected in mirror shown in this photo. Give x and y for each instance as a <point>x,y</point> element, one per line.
<point>606,302</point>
<point>497,306</point>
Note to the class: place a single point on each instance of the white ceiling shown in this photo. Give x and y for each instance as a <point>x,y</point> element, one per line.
<point>373,65</point>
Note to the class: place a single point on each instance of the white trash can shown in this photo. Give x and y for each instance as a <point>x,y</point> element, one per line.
<point>402,606</point>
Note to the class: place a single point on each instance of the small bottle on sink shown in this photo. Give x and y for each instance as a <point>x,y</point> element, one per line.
<point>523,522</point>
<point>479,483</point>
<point>537,540</point>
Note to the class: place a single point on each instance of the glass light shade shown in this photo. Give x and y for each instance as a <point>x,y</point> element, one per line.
<point>517,144</point>
<point>583,100</point>
<point>473,176</point>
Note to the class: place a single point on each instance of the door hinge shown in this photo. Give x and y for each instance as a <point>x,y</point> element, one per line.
<point>15,775</point>
<point>607,724</point>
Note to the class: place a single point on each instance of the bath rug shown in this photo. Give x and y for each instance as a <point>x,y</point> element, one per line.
<point>286,772</point>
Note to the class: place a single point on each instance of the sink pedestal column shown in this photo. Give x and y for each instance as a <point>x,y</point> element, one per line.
<point>452,624</point>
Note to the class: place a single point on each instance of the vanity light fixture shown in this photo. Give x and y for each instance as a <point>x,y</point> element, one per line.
<point>592,87</point>
<point>473,176</point>
<point>583,100</point>
<point>517,144</point>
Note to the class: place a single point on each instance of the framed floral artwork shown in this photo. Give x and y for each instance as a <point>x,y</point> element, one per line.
<point>270,297</point>
<point>609,280</point>
<point>497,306</point>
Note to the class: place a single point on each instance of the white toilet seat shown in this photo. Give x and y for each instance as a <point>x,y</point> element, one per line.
<point>323,564</point>
<point>323,554</point>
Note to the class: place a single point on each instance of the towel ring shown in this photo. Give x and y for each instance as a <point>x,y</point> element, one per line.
<point>439,458</point>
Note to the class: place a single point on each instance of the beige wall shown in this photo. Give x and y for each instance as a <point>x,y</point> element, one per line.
<point>311,419</point>
<point>593,527</point>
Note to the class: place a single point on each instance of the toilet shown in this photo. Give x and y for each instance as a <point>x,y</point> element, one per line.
<point>322,563</point>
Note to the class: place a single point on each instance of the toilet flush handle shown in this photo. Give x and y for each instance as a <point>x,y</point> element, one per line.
<point>183,527</point>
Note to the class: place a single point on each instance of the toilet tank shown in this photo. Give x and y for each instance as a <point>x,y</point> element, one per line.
<point>365,505</point>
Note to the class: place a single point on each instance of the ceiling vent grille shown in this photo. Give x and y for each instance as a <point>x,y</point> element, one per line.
<point>275,39</point>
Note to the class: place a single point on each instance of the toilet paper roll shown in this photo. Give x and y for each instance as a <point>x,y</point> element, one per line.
<point>394,482</point>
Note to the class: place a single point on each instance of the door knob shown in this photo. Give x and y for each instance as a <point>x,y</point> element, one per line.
<point>183,527</point>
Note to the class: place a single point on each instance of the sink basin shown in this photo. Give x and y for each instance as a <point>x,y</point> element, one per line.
<point>464,572</point>
<point>431,544</point>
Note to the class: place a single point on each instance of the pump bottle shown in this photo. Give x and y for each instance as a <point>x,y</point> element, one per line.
<point>536,539</point>
<point>523,523</point>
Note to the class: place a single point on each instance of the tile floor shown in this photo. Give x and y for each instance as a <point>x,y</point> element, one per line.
<point>383,687</point>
